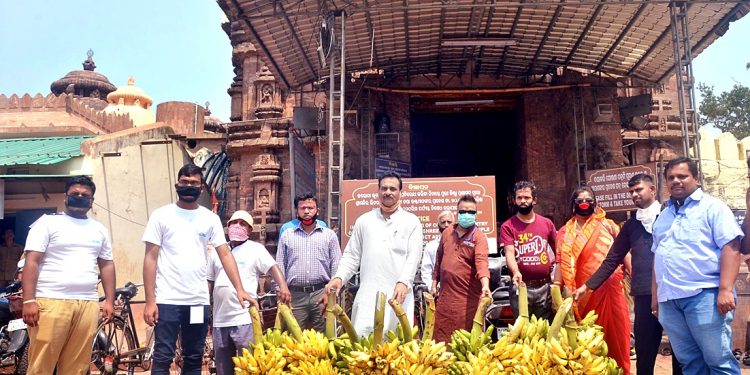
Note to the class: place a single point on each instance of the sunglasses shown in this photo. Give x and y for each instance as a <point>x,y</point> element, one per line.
<point>471,212</point>
<point>581,200</point>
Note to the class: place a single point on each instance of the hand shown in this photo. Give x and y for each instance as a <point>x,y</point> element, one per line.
<point>284,296</point>
<point>323,302</point>
<point>654,306</point>
<point>399,292</point>
<point>486,292</point>
<point>725,301</point>
<point>581,292</point>
<point>333,285</point>
<point>517,278</point>
<point>107,310</point>
<point>151,313</point>
<point>434,291</point>
<point>244,297</point>
<point>30,314</point>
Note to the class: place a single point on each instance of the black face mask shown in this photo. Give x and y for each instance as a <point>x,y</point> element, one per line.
<point>78,201</point>
<point>524,210</point>
<point>188,194</point>
<point>586,210</point>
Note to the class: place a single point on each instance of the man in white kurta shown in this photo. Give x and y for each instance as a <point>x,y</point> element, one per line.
<point>430,250</point>
<point>385,246</point>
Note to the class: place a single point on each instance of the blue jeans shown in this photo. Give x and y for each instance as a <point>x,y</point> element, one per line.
<point>701,337</point>
<point>228,343</point>
<point>174,319</point>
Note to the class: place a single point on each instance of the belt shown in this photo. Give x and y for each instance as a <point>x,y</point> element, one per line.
<point>537,283</point>
<point>307,288</point>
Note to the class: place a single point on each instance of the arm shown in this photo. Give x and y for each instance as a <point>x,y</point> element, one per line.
<point>211,291</point>
<point>413,255</point>
<point>28,285</point>
<point>107,272</point>
<point>620,248</point>
<point>283,294</point>
<point>745,249</point>
<point>349,262</point>
<point>510,262</point>
<point>151,311</point>
<point>481,252</point>
<point>436,269</point>
<point>730,266</point>
<point>230,267</point>
<point>281,254</point>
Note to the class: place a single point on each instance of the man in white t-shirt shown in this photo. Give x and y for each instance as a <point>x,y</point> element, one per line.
<point>232,327</point>
<point>174,273</point>
<point>60,278</point>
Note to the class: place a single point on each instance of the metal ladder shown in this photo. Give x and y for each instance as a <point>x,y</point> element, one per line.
<point>580,136</point>
<point>683,67</point>
<point>336,105</point>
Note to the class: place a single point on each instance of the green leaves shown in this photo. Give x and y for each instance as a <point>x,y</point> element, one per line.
<point>729,111</point>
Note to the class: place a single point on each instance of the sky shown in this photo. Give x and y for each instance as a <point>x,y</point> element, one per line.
<point>176,50</point>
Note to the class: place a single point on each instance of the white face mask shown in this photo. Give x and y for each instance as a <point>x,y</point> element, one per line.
<point>647,216</point>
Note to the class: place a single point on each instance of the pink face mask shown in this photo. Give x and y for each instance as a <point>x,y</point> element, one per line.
<point>237,232</point>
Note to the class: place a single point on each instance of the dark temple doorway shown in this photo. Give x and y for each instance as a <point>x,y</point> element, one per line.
<point>468,144</point>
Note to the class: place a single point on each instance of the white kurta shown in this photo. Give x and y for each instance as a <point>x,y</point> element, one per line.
<point>428,261</point>
<point>389,252</point>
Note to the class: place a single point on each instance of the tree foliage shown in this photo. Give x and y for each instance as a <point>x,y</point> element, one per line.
<point>729,111</point>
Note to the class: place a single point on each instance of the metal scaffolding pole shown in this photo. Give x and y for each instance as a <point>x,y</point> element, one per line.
<point>683,67</point>
<point>336,105</point>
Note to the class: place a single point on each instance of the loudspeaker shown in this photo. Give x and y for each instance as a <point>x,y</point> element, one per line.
<point>307,118</point>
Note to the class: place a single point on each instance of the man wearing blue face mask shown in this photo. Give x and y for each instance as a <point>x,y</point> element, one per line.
<point>461,270</point>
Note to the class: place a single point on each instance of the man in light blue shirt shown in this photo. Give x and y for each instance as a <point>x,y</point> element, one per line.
<point>697,258</point>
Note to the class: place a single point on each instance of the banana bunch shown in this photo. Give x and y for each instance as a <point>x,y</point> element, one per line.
<point>269,361</point>
<point>426,357</point>
<point>463,342</point>
<point>382,359</point>
<point>319,367</point>
<point>534,328</point>
<point>312,347</point>
<point>274,338</point>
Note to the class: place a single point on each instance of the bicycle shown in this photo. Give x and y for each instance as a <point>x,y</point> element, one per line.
<point>116,345</point>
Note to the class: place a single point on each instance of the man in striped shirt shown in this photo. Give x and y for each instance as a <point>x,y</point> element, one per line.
<point>308,254</point>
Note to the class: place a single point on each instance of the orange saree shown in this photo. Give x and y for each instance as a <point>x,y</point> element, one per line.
<point>581,251</point>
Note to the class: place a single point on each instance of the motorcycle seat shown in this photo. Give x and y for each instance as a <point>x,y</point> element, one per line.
<point>128,291</point>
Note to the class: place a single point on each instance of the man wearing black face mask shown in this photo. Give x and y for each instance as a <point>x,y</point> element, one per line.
<point>175,273</point>
<point>308,256</point>
<point>529,251</point>
<point>61,302</point>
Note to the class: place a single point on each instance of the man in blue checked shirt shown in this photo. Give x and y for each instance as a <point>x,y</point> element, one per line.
<point>696,261</point>
<point>308,255</point>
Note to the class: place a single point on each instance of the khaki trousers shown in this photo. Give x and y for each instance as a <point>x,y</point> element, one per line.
<point>62,337</point>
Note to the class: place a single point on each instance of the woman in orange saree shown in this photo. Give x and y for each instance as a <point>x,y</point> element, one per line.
<point>582,245</point>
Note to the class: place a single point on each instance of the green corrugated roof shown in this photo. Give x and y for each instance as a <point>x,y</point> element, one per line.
<point>35,151</point>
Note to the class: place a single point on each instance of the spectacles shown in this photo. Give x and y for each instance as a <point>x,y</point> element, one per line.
<point>470,212</point>
<point>581,200</point>
<point>189,183</point>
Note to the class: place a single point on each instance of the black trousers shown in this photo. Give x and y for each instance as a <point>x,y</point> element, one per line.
<point>648,332</point>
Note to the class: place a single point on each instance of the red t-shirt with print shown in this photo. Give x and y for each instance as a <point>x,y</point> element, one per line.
<point>534,243</point>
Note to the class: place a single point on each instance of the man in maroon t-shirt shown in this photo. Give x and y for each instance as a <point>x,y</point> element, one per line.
<point>529,241</point>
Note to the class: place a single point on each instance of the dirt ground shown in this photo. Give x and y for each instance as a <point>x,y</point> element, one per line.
<point>664,366</point>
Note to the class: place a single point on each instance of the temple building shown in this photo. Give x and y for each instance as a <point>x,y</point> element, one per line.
<point>133,101</point>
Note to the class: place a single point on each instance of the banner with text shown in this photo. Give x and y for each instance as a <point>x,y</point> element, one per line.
<point>611,185</point>
<point>426,198</point>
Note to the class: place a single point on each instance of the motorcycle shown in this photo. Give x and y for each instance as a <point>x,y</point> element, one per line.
<point>14,337</point>
<point>499,313</point>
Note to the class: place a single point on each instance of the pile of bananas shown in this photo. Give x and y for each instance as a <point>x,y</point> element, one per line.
<point>529,346</point>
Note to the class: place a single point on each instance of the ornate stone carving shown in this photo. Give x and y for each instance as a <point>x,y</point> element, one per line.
<point>662,151</point>
<point>265,181</point>
<point>267,95</point>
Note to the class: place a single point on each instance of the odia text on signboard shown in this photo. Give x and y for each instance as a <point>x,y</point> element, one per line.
<point>611,185</point>
<point>426,198</point>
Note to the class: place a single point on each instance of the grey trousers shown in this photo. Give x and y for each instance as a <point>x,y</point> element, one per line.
<point>306,310</point>
<point>540,301</point>
<point>228,343</point>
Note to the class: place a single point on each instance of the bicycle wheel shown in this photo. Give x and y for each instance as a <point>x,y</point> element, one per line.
<point>110,340</point>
